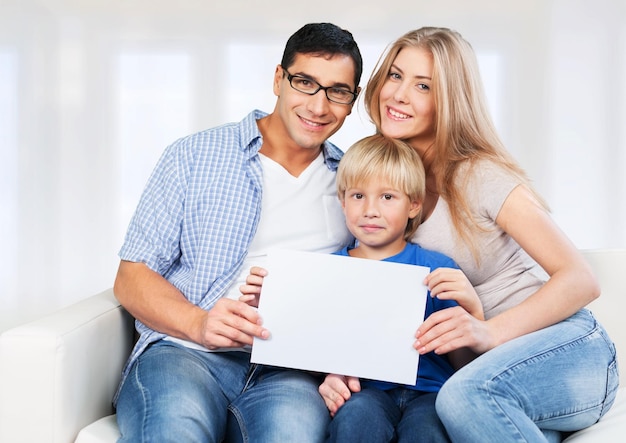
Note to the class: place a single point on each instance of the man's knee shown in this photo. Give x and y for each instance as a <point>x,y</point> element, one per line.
<point>282,405</point>
<point>169,395</point>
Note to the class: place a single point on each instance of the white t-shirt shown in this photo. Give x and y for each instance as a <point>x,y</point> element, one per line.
<point>300,213</point>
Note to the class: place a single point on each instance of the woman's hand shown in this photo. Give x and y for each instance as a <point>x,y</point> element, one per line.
<point>454,328</point>
<point>251,291</point>
<point>453,284</point>
<point>337,389</point>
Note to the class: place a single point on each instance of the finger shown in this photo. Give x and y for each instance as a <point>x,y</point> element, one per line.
<point>232,323</point>
<point>250,295</point>
<point>431,321</point>
<point>333,406</point>
<point>455,330</point>
<point>434,326</point>
<point>338,384</point>
<point>248,321</point>
<point>332,398</point>
<point>229,337</point>
<point>353,383</point>
<point>251,287</point>
<point>436,276</point>
<point>258,271</point>
<point>453,277</point>
<point>254,280</point>
<point>247,298</point>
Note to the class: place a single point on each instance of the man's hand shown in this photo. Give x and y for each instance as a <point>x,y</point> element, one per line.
<point>231,324</point>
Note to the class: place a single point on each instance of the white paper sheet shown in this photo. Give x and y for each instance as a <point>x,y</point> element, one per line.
<point>341,315</point>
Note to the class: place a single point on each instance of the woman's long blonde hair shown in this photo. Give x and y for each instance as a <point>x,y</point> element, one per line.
<point>464,131</point>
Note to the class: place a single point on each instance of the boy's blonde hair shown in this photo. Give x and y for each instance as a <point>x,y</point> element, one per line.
<point>384,159</point>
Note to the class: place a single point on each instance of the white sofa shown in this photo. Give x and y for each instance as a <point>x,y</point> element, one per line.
<point>58,374</point>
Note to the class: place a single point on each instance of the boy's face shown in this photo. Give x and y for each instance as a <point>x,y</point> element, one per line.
<point>309,120</point>
<point>377,215</point>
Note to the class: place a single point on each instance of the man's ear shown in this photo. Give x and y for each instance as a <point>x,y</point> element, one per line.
<point>278,76</point>
<point>358,91</point>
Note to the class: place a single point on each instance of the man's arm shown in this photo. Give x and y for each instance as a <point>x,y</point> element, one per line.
<point>156,303</point>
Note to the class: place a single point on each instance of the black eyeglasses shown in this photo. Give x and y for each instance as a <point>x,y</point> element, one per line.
<point>311,87</point>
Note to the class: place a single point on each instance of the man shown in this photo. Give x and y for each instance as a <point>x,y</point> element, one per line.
<point>215,203</point>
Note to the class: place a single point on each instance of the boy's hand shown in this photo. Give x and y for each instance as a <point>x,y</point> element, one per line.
<point>453,284</point>
<point>251,291</point>
<point>337,389</point>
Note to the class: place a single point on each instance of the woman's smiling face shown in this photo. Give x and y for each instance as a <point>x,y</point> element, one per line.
<point>407,106</point>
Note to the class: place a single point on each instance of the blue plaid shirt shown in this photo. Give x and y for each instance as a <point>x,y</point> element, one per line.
<point>199,213</point>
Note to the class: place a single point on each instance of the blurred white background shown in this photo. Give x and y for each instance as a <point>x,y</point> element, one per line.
<point>92,91</point>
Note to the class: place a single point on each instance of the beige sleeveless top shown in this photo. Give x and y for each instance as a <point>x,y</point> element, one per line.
<point>505,274</point>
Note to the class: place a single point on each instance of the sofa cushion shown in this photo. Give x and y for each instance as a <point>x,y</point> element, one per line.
<point>612,427</point>
<point>102,431</point>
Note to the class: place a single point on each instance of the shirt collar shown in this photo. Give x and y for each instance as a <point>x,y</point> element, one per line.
<point>252,137</point>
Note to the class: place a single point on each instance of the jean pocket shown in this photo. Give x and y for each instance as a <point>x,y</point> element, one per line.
<point>612,386</point>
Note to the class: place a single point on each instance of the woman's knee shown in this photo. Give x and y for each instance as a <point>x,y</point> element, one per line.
<point>456,396</point>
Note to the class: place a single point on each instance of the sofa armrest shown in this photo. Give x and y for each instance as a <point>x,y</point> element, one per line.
<point>59,373</point>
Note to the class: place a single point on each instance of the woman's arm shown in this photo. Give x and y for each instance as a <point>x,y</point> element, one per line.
<point>571,286</point>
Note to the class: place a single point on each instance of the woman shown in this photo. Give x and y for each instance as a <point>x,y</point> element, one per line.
<point>545,365</point>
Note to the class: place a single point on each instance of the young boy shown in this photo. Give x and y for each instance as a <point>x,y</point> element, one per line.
<point>381,186</point>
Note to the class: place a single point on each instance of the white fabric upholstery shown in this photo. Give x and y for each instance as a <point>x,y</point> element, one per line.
<point>609,266</point>
<point>104,430</point>
<point>612,427</point>
<point>58,374</point>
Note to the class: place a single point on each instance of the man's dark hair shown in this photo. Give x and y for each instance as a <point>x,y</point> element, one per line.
<point>323,39</point>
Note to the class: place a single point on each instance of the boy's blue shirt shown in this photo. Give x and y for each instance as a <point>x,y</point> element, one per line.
<point>433,370</point>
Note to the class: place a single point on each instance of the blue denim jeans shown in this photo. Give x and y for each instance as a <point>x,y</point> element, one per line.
<point>559,379</point>
<point>398,415</point>
<point>175,394</point>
